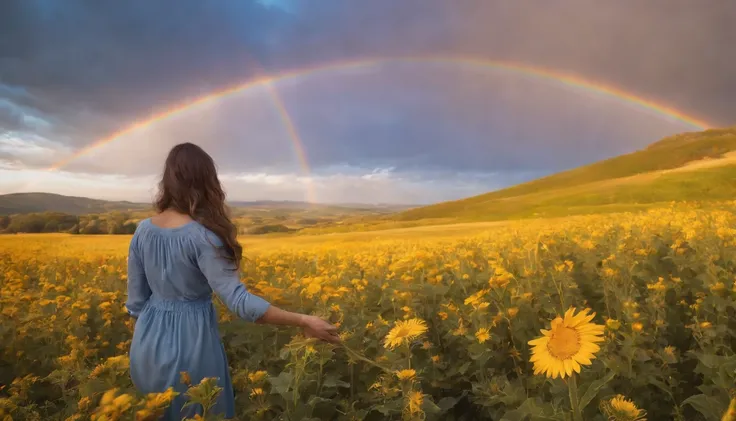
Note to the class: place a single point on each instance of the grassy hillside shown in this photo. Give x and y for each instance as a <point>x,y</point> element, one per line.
<point>48,202</point>
<point>662,172</point>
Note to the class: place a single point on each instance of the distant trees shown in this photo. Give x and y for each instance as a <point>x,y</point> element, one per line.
<point>268,229</point>
<point>110,223</point>
<point>126,222</point>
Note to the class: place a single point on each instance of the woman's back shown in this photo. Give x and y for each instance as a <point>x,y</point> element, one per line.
<point>183,264</point>
<point>168,258</point>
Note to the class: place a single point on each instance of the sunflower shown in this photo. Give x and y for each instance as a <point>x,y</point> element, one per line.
<point>570,342</point>
<point>482,335</point>
<point>414,402</point>
<point>406,374</point>
<point>404,331</point>
<point>619,408</point>
<point>730,414</point>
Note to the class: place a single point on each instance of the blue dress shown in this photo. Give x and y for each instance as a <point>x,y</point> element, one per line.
<point>172,273</point>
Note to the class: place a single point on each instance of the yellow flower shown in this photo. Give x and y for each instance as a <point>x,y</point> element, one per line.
<point>257,376</point>
<point>414,402</point>
<point>482,335</point>
<point>476,298</point>
<point>111,407</point>
<point>570,342</point>
<point>442,315</point>
<point>122,402</point>
<point>404,331</point>
<point>637,327</point>
<point>613,324</point>
<point>706,325</point>
<point>512,312</point>
<point>160,400</point>
<point>406,374</point>
<point>619,408</point>
<point>84,403</point>
<point>730,414</point>
<point>256,392</point>
<point>108,396</point>
<point>145,415</point>
<point>461,329</point>
<point>718,287</point>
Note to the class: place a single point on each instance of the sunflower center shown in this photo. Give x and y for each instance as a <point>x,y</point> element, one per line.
<point>564,343</point>
<point>403,332</point>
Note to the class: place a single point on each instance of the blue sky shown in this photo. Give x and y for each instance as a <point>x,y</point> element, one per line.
<point>393,132</point>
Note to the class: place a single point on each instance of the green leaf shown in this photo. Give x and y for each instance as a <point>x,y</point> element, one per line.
<point>525,410</point>
<point>447,403</point>
<point>282,383</point>
<point>594,388</point>
<point>709,360</point>
<point>706,405</point>
<point>429,407</point>
<point>314,400</point>
<point>516,415</point>
<point>463,368</point>
<point>333,381</point>
<point>661,385</point>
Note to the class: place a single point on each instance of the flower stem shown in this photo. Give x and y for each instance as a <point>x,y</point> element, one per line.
<point>572,388</point>
<point>408,355</point>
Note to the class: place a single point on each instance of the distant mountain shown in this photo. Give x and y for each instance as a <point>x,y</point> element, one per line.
<point>49,202</point>
<point>18,203</point>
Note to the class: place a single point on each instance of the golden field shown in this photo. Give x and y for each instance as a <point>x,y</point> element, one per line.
<point>464,322</point>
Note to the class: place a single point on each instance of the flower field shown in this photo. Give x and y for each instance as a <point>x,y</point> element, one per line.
<point>616,317</point>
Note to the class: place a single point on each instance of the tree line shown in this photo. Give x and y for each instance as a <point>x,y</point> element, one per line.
<point>48,222</point>
<point>118,222</point>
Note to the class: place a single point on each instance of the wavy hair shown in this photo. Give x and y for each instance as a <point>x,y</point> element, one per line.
<point>190,185</point>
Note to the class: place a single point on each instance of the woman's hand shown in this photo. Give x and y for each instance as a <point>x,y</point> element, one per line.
<point>314,327</point>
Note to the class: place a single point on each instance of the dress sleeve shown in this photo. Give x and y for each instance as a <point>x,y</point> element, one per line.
<point>138,289</point>
<point>226,284</point>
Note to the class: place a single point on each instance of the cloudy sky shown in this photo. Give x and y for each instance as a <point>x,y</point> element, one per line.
<point>440,126</point>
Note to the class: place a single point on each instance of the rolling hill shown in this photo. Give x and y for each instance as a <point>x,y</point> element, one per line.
<point>699,166</point>
<point>20,203</point>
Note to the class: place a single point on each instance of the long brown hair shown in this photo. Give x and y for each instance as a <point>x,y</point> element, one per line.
<point>189,185</point>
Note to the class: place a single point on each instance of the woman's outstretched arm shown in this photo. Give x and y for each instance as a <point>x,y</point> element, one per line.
<point>313,326</point>
<point>225,282</point>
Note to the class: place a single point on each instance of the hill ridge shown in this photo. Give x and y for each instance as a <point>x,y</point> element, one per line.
<point>709,151</point>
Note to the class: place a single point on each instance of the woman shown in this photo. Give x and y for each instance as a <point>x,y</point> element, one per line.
<point>176,260</point>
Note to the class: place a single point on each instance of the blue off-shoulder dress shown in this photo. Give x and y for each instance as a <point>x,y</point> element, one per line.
<point>172,273</point>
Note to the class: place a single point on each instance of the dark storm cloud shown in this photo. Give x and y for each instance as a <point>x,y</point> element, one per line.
<point>678,51</point>
<point>89,68</point>
<point>402,116</point>
<point>118,61</point>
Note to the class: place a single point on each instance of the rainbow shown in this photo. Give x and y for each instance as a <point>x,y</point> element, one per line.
<point>268,81</point>
<point>296,140</point>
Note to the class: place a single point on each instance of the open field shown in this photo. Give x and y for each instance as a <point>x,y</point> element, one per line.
<point>472,297</point>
